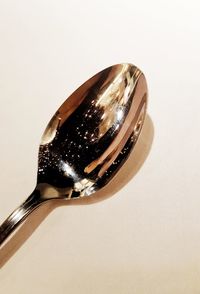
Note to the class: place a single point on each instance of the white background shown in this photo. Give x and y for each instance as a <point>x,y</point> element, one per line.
<point>146,238</point>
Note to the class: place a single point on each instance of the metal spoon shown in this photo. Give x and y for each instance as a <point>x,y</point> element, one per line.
<point>88,139</point>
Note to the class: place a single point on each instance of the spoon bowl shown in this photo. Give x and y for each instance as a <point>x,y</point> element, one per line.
<point>92,133</point>
<point>88,139</point>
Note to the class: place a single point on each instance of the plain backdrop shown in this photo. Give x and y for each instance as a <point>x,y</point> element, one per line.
<point>146,238</point>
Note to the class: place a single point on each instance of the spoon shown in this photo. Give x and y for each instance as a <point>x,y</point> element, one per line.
<point>87,140</point>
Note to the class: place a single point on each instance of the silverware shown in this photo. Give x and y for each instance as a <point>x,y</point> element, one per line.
<point>88,139</point>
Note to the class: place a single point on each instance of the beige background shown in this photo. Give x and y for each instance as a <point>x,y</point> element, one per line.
<point>146,238</point>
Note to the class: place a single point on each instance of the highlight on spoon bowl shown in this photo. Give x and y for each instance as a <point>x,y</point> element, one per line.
<point>87,140</point>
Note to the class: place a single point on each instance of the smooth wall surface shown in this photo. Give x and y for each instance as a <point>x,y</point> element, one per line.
<point>146,237</point>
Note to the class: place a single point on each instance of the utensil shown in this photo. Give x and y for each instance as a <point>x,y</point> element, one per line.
<point>87,140</point>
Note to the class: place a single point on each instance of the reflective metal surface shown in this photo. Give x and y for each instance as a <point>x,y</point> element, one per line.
<point>88,139</point>
<point>92,133</point>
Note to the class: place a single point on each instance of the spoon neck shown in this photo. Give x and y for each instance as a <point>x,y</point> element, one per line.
<point>19,215</point>
<point>46,192</point>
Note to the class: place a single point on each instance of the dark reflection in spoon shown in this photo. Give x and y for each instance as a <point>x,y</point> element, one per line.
<point>84,149</point>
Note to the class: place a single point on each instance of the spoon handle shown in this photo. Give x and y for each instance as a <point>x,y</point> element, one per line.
<point>19,214</point>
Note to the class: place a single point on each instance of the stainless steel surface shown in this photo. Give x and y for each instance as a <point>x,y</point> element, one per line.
<point>87,140</point>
